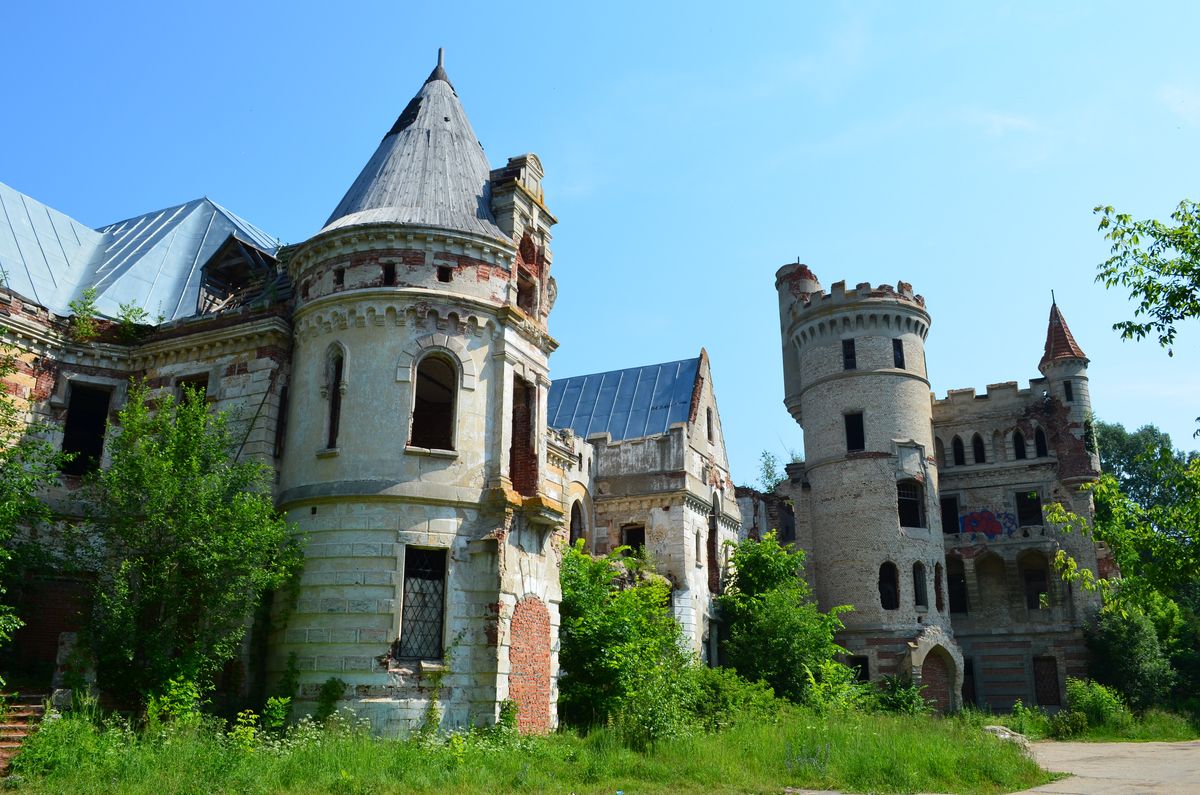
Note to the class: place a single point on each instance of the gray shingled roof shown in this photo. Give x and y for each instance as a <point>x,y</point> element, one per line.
<point>628,404</point>
<point>428,170</point>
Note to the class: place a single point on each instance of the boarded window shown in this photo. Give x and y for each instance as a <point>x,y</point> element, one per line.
<point>950,515</point>
<point>1029,509</point>
<point>956,583</point>
<point>1039,443</point>
<point>960,455</point>
<point>977,449</point>
<point>898,353</point>
<point>889,586</point>
<point>1019,451</point>
<point>522,459</point>
<point>920,589</point>
<point>83,434</point>
<point>433,406</point>
<point>849,358</point>
<point>910,503</point>
<point>855,434</point>
<point>424,609</point>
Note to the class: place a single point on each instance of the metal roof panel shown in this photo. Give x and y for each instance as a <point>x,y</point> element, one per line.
<point>628,404</point>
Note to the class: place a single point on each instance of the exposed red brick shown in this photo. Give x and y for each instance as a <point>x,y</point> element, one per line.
<point>529,665</point>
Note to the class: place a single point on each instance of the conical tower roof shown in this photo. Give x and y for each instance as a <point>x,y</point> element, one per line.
<point>429,170</point>
<point>1060,343</point>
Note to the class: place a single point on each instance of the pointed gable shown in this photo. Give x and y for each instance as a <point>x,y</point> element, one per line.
<point>1060,343</point>
<point>429,170</point>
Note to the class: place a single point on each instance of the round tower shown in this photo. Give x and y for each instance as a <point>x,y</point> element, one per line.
<point>855,380</point>
<point>415,434</point>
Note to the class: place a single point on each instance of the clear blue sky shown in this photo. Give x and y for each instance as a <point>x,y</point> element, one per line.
<point>690,150</point>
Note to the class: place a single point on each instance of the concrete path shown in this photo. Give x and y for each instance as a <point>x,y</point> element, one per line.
<point>1110,768</point>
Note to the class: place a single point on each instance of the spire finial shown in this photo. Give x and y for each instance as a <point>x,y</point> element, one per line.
<point>441,56</point>
<point>1052,301</point>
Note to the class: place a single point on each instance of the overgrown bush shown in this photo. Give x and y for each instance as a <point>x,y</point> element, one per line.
<point>723,698</point>
<point>1030,721</point>
<point>1068,723</point>
<point>834,687</point>
<point>1127,656</point>
<point>901,695</point>
<point>1102,706</point>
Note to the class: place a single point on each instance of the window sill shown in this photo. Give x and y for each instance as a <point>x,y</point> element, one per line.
<point>432,452</point>
<point>328,452</point>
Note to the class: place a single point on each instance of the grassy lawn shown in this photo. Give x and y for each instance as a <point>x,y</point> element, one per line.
<point>852,751</point>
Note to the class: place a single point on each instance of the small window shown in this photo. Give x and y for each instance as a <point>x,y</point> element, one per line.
<point>577,532</point>
<point>339,277</point>
<point>433,405</point>
<point>1034,580</point>
<point>1019,451</point>
<point>1039,443</point>
<point>634,537</point>
<point>336,375</point>
<point>939,601</point>
<point>910,503</point>
<point>526,292</point>
<point>960,455</point>
<point>389,275</point>
<point>920,589</point>
<point>421,619</point>
<point>445,273</point>
<point>950,522</point>
<point>849,358</point>
<point>708,416</point>
<point>281,422</point>
<point>83,433</point>
<point>956,582</point>
<point>855,435</point>
<point>1069,391</point>
<point>304,289</point>
<point>699,549</point>
<point>861,665</point>
<point>197,383</point>
<point>1029,509</point>
<point>898,353</point>
<point>889,586</point>
<point>977,449</point>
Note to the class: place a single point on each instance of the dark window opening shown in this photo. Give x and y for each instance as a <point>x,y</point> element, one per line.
<point>424,604</point>
<point>855,434</point>
<point>910,503</point>
<point>281,422</point>
<point>445,273</point>
<point>849,358</point>
<point>1045,682</point>
<point>920,589</point>
<point>960,455</point>
<point>197,383</point>
<point>977,449</point>
<point>336,374</point>
<point>968,687</point>
<point>522,459</point>
<point>1035,581</point>
<point>938,596</point>
<point>433,407</point>
<point>1068,391</point>
<point>898,353</point>
<point>889,586</point>
<point>950,523</point>
<point>634,537</point>
<point>83,433</point>
<point>861,665</point>
<point>1029,509</point>
<point>526,293</point>
<point>304,288</point>
<point>576,524</point>
<point>956,582</point>
<point>714,563</point>
<point>389,275</point>
<point>1039,443</point>
<point>1019,450</point>
<point>710,424</point>
<point>339,277</point>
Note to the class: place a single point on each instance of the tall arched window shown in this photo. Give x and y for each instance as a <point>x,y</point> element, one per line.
<point>960,455</point>
<point>335,377</point>
<point>977,449</point>
<point>920,590</point>
<point>938,597</point>
<point>1039,443</point>
<point>577,530</point>
<point>433,404</point>
<point>1019,451</point>
<point>714,563</point>
<point>889,586</point>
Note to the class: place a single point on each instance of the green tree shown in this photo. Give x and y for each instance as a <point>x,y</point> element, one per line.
<point>1159,263</point>
<point>774,631</point>
<point>1127,655</point>
<point>1133,458</point>
<point>188,541</point>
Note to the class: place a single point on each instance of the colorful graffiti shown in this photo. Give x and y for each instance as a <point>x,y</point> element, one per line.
<point>989,523</point>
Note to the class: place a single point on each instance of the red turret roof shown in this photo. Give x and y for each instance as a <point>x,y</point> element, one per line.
<point>1060,343</point>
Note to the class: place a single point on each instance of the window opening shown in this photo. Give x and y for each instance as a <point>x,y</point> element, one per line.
<point>389,275</point>
<point>576,524</point>
<point>522,460</point>
<point>1029,509</point>
<point>889,586</point>
<point>956,582</point>
<point>708,416</point>
<point>968,687</point>
<point>83,432</point>
<point>849,358</point>
<point>861,665</point>
<point>950,522</point>
<point>940,452</point>
<point>281,422</point>
<point>424,604</point>
<point>1068,391</point>
<point>198,383</point>
<point>1039,443</point>
<point>898,353</point>
<point>910,503</point>
<point>339,277</point>
<point>977,449</point>
<point>920,588</point>
<point>938,597</point>
<point>960,456</point>
<point>526,292</point>
<point>714,563</point>
<point>855,434</point>
<point>433,405</point>
<point>337,366</point>
<point>445,273</point>
<point>1019,450</point>
<point>1034,579</point>
<point>634,537</point>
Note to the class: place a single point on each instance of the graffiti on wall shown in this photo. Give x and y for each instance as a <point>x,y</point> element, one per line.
<point>989,523</point>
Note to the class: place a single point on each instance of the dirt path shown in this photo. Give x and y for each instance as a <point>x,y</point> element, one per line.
<point>1104,768</point>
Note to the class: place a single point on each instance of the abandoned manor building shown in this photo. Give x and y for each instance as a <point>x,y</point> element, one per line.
<point>394,371</point>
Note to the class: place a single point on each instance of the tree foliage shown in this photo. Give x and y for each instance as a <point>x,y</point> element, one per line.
<point>1159,263</point>
<point>1135,458</point>
<point>186,542</point>
<point>774,631</point>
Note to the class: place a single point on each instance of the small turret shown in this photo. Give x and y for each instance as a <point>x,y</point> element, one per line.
<point>1064,365</point>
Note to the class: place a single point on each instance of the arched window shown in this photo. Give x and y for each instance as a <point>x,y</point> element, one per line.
<point>1019,451</point>
<point>956,582</point>
<point>977,449</point>
<point>577,530</point>
<point>714,563</point>
<point>889,586</point>
<point>940,451</point>
<point>910,503</point>
<point>1039,443</point>
<point>920,590</point>
<point>335,382</point>
<point>938,599</point>
<point>433,405</point>
<point>960,456</point>
<point>708,415</point>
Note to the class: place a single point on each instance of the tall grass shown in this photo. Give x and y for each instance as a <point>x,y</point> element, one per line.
<point>849,751</point>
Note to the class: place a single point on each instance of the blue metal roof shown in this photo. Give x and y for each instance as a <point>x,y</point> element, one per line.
<point>628,404</point>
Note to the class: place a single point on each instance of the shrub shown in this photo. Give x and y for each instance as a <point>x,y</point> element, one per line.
<point>1126,655</point>
<point>1102,706</point>
<point>1030,721</point>
<point>901,695</point>
<point>332,690</point>
<point>723,698</point>
<point>835,687</point>
<point>83,316</point>
<point>1068,723</point>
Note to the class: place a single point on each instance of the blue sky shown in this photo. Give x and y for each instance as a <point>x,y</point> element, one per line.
<point>690,150</point>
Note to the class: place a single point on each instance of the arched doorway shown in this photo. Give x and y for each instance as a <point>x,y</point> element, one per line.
<point>937,675</point>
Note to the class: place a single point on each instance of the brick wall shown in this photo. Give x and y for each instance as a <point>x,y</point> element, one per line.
<point>523,464</point>
<point>935,676</point>
<point>529,665</point>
